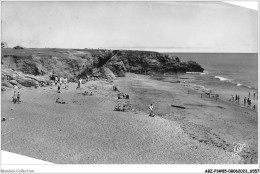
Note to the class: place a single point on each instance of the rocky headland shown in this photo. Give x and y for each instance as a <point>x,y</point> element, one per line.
<point>29,67</point>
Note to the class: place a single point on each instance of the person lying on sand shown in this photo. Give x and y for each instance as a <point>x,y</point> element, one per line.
<point>58,100</point>
<point>115,89</point>
<point>119,107</point>
<point>85,93</point>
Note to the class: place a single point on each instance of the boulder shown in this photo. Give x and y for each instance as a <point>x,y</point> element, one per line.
<point>104,73</point>
<point>6,84</point>
<point>27,82</point>
<point>14,82</point>
<point>3,88</point>
<point>194,67</point>
<point>118,68</point>
<point>18,47</point>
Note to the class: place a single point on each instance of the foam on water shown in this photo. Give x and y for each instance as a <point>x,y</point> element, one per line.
<point>222,78</point>
<point>201,73</point>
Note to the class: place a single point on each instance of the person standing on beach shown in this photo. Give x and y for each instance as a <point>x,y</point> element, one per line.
<point>58,88</point>
<point>18,96</point>
<point>151,110</point>
<point>248,102</point>
<point>78,84</point>
<point>245,101</point>
<point>254,95</point>
<point>65,82</point>
<point>56,80</point>
<point>238,98</point>
<point>15,88</point>
<point>217,96</point>
<point>249,94</point>
<point>254,107</point>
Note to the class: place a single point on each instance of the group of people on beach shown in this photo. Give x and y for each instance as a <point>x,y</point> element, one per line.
<point>120,107</point>
<point>17,96</point>
<point>247,100</point>
<point>59,81</point>
<point>88,93</point>
<point>122,96</point>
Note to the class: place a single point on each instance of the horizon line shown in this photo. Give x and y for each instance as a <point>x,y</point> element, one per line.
<point>102,48</point>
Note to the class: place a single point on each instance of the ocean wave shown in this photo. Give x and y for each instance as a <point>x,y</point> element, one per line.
<point>201,73</point>
<point>223,78</point>
<point>193,72</point>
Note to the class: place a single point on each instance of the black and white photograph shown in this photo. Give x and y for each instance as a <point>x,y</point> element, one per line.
<point>129,82</point>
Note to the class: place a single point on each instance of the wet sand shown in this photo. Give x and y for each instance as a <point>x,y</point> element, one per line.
<point>86,130</point>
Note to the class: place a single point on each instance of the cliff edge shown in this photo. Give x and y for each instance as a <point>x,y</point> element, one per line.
<point>32,67</point>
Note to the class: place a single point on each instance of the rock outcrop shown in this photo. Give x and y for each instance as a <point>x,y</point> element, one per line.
<point>30,67</point>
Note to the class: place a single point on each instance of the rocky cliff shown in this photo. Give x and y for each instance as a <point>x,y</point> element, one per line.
<point>30,67</point>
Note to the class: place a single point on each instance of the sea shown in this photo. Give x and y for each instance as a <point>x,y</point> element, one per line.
<point>225,73</point>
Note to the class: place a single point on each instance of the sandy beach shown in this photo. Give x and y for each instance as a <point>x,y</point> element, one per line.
<point>86,130</point>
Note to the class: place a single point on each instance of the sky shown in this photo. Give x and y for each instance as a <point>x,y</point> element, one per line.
<point>157,26</point>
